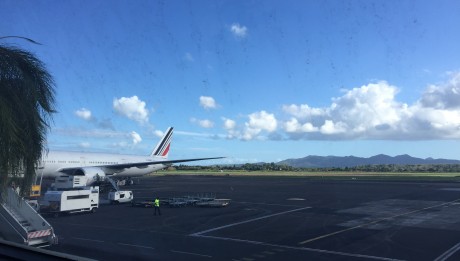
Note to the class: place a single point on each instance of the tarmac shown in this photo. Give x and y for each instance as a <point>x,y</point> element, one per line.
<point>273,218</point>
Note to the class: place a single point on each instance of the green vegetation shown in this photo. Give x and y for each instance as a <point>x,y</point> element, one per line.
<point>272,167</point>
<point>374,172</point>
<point>26,108</point>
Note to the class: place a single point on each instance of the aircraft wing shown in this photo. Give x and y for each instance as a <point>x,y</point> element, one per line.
<point>118,167</point>
<point>147,163</point>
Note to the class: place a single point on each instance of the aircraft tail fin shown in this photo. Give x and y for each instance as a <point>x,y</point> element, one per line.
<point>162,148</point>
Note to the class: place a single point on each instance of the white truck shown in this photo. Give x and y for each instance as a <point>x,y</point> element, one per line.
<point>70,201</point>
<point>116,197</point>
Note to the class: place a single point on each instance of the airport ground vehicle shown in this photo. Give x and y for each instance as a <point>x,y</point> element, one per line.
<point>33,197</point>
<point>120,196</point>
<point>20,223</point>
<point>70,201</point>
<point>143,203</point>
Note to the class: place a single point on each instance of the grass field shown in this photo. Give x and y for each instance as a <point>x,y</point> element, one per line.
<point>322,175</point>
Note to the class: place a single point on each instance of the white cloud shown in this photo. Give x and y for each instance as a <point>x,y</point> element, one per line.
<point>371,111</point>
<point>229,124</point>
<point>366,107</point>
<point>158,133</point>
<point>94,133</point>
<point>262,120</point>
<point>293,125</point>
<point>303,111</point>
<point>203,123</point>
<point>330,127</point>
<point>123,139</point>
<point>132,108</point>
<point>446,96</point>
<point>207,102</point>
<point>196,134</point>
<point>359,112</point>
<point>84,145</point>
<point>206,123</point>
<point>121,144</point>
<point>136,138</point>
<point>238,30</point>
<point>258,122</point>
<point>84,114</point>
<point>230,127</point>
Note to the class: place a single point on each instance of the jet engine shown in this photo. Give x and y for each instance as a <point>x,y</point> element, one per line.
<point>93,174</point>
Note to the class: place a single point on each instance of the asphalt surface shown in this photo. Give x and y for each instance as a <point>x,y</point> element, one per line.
<point>273,218</point>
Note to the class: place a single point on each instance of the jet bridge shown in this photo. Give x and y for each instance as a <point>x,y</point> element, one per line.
<point>20,223</point>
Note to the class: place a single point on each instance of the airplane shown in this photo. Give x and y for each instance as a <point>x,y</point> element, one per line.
<point>97,166</point>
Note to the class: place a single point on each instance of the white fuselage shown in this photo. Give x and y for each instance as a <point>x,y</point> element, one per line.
<point>54,161</point>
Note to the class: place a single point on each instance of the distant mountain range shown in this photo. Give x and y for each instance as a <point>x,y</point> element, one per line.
<point>352,161</point>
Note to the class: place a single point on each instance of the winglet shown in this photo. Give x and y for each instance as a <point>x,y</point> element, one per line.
<point>162,148</point>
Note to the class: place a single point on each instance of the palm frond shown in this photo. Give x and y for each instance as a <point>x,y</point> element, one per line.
<point>27,104</point>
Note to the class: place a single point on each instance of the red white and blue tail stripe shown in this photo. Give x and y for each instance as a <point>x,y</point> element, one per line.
<point>162,148</point>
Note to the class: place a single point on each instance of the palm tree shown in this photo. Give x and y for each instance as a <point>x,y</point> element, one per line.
<point>26,107</point>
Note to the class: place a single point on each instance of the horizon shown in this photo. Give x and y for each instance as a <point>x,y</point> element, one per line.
<point>250,81</point>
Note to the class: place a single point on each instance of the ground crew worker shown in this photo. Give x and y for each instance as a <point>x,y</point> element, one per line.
<point>156,206</point>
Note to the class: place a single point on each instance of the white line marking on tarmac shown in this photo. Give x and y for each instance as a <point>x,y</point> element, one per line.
<point>296,199</point>
<point>135,245</point>
<point>189,253</point>
<point>122,229</point>
<point>448,253</point>
<point>375,222</point>
<point>267,204</point>
<point>247,221</point>
<point>450,189</point>
<point>301,248</point>
<point>147,189</point>
<point>87,239</point>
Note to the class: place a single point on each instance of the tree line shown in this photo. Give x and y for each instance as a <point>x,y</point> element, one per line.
<point>410,168</point>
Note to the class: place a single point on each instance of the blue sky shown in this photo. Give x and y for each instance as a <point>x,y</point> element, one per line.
<point>249,80</point>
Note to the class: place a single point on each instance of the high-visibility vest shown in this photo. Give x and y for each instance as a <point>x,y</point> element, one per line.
<point>157,203</point>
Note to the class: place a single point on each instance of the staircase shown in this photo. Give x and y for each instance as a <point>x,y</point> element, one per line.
<point>20,223</point>
<point>113,182</point>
